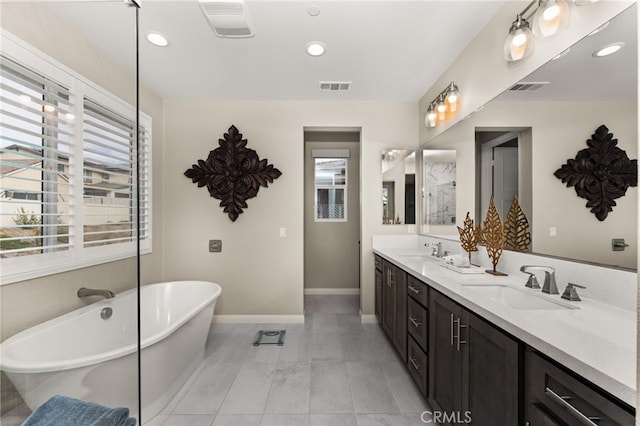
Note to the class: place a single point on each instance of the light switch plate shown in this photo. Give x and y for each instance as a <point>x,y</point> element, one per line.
<point>215,246</point>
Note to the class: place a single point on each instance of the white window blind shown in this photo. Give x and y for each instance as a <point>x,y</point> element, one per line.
<point>69,160</point>
<point>36,125</point>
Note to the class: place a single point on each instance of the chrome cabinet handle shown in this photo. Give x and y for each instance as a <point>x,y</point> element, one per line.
<point>459,325</point>
<point>414,322</point>
<point>451,318</point>
<point>415,365</point>
<point>414,289</point>
<point>563,400</point>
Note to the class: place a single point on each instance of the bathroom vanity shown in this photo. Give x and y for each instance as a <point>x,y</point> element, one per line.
<point>488,351</point>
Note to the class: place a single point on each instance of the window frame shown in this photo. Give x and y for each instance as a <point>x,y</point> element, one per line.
<point>16,269</point>
<point>343,187</point>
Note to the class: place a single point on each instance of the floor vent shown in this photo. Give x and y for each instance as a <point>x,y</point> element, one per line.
<point>528,86</point>
<point>335,86</point>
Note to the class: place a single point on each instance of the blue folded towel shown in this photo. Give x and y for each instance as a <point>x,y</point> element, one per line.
<point>62,410</point>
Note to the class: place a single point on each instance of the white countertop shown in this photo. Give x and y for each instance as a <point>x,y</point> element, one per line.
<point>597,341</point>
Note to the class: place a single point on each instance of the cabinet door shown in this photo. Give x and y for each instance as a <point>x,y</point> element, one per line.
<point>388,299</point>
<point>445,380</point>
<point>400,318</point>
<point>489,372</point>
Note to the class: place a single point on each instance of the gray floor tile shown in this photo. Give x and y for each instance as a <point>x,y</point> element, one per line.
<point>381,419</point>
<point>297,348</point>
<point>404,389</point>
<point>357,347</point>
<point>210,389</point>
<point>285,420</point>
<point>369,388</point>
<point>238,420</point>
<point>249,391</point>
<point>189,420</point>
<point>326,347</point>
<point>290,389</point>
<point>333,420</point>
<point>330,388</point>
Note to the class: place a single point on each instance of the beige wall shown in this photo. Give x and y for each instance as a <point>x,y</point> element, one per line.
<point>261,273</point>
<point>30,302</point>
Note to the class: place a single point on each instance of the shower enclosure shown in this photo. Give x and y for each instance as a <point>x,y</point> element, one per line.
<point>75,199</point>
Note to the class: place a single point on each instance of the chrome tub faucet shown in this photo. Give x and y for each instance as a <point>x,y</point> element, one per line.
<point>85,292</point>
<point>549,286</point>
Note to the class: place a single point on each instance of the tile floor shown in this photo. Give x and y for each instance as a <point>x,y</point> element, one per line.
<point>331,371</point>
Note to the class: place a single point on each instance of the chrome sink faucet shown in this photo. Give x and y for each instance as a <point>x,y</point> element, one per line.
<point>85,292</point>
<point>549,286</point>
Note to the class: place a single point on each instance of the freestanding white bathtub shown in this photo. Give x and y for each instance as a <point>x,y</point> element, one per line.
<point>83,356</point>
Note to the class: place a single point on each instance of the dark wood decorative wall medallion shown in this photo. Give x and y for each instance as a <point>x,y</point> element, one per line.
<point>233,173</point>
<point>600,173</point>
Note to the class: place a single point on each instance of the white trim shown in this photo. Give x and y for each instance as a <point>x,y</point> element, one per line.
<point>330,153</point>
<point>331,291</point>
<point>258,319</point>
<point>368,318</point>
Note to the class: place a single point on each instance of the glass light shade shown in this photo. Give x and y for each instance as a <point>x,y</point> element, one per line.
<point>441,108</point>
<point>453,97</point>
<point>551,17</point>
<point>430,118</point>
<point>520,41</point>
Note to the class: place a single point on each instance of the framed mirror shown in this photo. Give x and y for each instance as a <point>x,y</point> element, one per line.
<point>398,186</point>
<point>539,124</point>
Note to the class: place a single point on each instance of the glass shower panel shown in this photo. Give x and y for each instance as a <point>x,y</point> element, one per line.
<point>69,227</point>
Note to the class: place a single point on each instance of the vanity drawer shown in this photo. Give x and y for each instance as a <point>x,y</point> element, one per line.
<point>562,396</point>
<point>418,290</point>
<point>417,322</point>
<point>417,364</point>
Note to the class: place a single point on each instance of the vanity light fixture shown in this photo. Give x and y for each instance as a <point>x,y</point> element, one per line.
<point>443,105</point>
<point>609,49</point>
<point>315,48</point>
<point>548,17</point>
<point>157,39</point>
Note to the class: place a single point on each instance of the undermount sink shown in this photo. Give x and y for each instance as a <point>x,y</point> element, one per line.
<point>517,299</point>
<point>418,257</point>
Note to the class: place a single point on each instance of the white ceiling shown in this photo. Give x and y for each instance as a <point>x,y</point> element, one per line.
<point>390,50</point>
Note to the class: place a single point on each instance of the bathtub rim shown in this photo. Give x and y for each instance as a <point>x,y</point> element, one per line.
<point>11,365</point>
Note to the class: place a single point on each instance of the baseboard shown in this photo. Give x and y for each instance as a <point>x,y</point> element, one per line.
<point>368,318</point>
<point>258,319</point>
<point>330,291</point>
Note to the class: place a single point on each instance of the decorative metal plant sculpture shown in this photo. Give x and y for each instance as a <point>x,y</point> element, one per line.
<point>493,233</point>
<point>469,236</point>
<point>516,228</point>
<point>600,173</point>
<point>233,173</point>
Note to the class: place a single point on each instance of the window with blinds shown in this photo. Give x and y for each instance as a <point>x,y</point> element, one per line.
<point>330,189</point>
<point>70,166</point>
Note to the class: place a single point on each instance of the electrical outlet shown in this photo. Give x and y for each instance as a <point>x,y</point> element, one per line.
<point>553,231</point>
<point>283,232</point>
<point>215,246</point>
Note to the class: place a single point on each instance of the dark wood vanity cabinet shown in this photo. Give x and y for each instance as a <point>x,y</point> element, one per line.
<point>418,326</point>
<point>394,306</point>
<point>473,366</point>
<point>378,289</point>
<point>555,397</point>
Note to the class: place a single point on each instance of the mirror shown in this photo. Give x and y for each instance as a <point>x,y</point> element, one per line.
<point>439,196</point>
<point>538,125</point>
<point>398,187</point>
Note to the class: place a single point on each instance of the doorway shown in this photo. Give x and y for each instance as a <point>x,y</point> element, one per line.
<point>332,211</point>
<point>503,159</point>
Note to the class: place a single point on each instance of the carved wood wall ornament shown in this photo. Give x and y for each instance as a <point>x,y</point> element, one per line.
<point>233,173</point>
<point>600,173</point>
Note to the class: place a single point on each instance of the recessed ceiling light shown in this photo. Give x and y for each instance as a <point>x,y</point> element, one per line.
<point>561,54</point>
<point>608,50</point>
<point>157,39</point>
<point>315,48</point>
<point>600,28</point>
<point>313,10</point>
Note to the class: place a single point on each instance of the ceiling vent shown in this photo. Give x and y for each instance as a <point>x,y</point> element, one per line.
<point>528,86</point>
<point>227,18</point>
<point>335,86</point>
